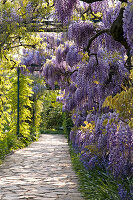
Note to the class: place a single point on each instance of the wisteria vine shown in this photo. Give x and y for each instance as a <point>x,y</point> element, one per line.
<point>89,68</point>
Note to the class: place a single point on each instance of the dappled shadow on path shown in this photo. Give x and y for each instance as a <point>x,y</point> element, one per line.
<point>41,171</point>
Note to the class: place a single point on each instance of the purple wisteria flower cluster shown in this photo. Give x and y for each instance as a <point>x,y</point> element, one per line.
<point>57,70</point>
<point>86,78</point>
<point>128,23</point>
<point>32,59</point>
<point>81,32</point>
<point>91,82</point>
<point>108,144</point>
<point>64,9</point>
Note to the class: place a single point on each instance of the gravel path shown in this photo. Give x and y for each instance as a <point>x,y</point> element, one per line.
<point>41,171</point>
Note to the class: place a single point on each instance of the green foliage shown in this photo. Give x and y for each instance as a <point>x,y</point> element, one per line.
<point>123,104</point>
<point>8,109</point>
<point>36,116</point>
<point>51,131</point>
<point>3,147</point>
<point>4,88</point>
<point>25,104</point>
<point>67,123</point>
<point>4,110</point>
<point>52,111</point>
<point>37,106</point>
<point>30,102</point>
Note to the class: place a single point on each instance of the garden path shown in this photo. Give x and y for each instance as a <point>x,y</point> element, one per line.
<point>41,171</point>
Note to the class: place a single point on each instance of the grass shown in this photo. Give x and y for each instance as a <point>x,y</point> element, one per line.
<point>94,184</point>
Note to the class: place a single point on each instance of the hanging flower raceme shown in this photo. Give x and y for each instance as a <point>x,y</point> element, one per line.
<point>110,14</point>
<point>64,9</point>
<point>128,23</point>
<point>81,32</point>
<point>72,57</point>
<point>32,59</point>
